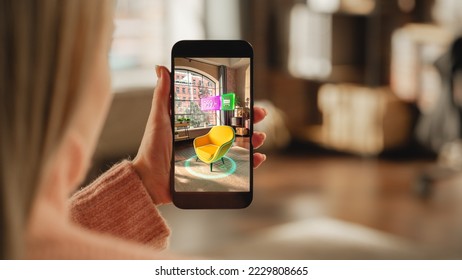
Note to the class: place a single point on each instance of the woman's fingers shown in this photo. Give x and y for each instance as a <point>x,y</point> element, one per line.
<point>258,159</point>
<point>258,139</point>
<point>258,114</point>
<point>161,100</point>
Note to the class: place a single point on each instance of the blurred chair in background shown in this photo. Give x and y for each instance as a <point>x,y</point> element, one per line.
<point>441,129</point>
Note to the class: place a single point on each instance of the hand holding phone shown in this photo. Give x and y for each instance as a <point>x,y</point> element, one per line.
<point>212,124</point>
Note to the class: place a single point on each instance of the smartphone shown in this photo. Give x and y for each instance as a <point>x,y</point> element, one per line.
<point>212,124</point>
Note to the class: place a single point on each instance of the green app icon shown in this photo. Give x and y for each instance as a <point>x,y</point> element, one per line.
<point>228,101</point>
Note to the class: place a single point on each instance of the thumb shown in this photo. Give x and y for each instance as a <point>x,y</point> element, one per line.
<point>161,98</point>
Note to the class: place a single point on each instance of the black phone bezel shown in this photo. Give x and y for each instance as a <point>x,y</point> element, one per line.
<point>211,48</point>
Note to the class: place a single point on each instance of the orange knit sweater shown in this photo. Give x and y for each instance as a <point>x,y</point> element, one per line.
<point>113,218</point>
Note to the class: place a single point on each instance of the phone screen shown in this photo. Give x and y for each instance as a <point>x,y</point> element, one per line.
<point>211,120</point>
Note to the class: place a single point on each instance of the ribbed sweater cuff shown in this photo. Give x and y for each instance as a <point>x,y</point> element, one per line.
<point>117,203</point>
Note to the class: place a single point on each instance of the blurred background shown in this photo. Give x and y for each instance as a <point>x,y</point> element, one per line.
<point>363,96</point>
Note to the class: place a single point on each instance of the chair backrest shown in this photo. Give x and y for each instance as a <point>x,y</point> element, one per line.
<point>221,134</point>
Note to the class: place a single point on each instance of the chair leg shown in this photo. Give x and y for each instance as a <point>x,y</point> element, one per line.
<point>211,167</point>
<point>223,161</point>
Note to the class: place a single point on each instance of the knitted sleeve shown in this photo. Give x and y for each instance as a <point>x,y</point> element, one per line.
<point>117,203</point>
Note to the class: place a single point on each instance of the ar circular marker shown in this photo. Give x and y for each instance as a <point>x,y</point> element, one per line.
<point>210,175</point>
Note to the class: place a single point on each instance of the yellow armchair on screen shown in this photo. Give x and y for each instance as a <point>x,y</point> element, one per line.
<point>214,145</point>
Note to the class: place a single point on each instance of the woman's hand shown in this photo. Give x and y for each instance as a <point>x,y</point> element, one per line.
<point>152,163</point>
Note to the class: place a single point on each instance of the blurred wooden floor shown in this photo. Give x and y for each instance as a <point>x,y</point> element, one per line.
<point>374,193</point>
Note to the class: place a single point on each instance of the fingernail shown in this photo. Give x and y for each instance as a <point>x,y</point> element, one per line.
<point>266,112</point>
<point>158,71</point>
<point>262,134</point>
<point>264,157</point>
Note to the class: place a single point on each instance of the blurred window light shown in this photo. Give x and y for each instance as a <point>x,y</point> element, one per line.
<point>222,19</point>
<point>348,6</point>
<point>138,37</point>
<point>324,6</point>
<point>185,21</point>
<point>310,43</point>
<point>146,30</point>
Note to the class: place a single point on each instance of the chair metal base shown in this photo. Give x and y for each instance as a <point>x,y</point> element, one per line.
<point>211,164</point>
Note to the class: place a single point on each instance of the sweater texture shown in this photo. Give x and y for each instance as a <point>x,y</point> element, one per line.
<point>112,218</point>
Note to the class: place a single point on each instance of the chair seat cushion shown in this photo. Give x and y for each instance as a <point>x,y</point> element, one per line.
<point>206,152</point>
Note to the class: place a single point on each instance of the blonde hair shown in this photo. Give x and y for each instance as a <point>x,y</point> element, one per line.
<point>46,49</point>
